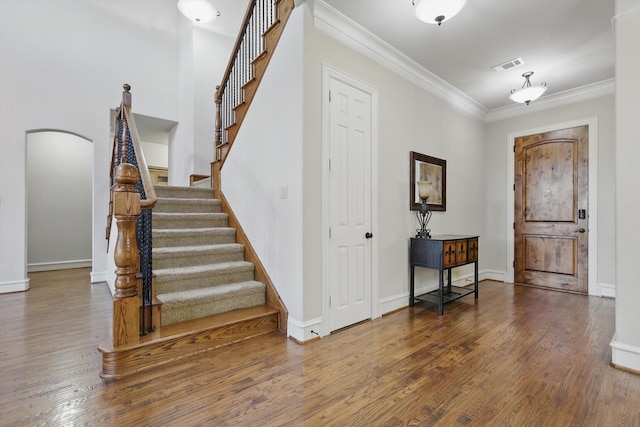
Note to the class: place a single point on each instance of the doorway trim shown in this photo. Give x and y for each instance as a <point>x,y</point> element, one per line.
<point>328,73</point>
<point>592,122</point>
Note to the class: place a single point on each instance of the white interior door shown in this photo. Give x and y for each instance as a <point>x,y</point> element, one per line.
<point>350,244</point>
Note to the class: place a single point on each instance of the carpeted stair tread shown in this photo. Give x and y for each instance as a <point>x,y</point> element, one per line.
<point>202,276</point>
<point>167,191</point>
<point>182,298</point>
<point>189,220</point>
<point>186,305</point>
<point>183,256</point>
<point>221,248</point>
<point>184,205</point>
<point>190,215</point>
<point>197,270</point>
<point>188,236</point>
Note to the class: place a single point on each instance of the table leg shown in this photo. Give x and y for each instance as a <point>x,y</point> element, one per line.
<point>441,293</point>
<point>411,289</point>
<point>475,274</point>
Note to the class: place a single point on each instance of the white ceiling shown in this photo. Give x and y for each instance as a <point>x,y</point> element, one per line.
<point>566,43</point>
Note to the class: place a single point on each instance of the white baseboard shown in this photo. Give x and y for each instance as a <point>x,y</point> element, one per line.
<point>607,291</point>
<point>16,286</point>
<point>58,265</point>
<point>397,302</point>
<point>625,355</point>
<point>304,331</point>
<point>97,277</point>
<point>499,276</point>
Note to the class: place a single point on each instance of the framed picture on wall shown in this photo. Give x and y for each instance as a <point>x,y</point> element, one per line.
<point>433,170</point>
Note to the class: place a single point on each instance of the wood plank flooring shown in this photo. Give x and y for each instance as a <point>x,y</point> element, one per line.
<point>518,356</point>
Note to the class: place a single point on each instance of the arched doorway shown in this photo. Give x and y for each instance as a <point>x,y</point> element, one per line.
<point>59,200</point>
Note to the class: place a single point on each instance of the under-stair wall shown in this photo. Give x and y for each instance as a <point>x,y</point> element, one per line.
<point>266,163</point>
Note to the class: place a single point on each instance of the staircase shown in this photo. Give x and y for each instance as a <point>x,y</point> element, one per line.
<point>207,291</point>
<point>200,269</point>
<point>208,287</point>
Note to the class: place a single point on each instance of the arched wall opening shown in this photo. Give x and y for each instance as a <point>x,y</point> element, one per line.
<point>59,176</point>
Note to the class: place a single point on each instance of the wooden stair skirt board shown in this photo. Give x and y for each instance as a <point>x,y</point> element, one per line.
<point>173,342</point>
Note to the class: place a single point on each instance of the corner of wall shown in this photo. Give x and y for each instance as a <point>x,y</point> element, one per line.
<point>304,331</point>
<point>15,286</point>
<point>625,356</point>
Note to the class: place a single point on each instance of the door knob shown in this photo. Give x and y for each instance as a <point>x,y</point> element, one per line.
<point>581,230</point>
<point>368,235</point>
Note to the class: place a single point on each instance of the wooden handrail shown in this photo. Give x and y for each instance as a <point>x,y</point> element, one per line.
<point>133,282</point>
<point>151,198</point>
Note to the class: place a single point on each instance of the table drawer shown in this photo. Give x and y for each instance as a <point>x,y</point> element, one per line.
<point>461,252</point>
<point>449,252</point>
<point>472,250</point>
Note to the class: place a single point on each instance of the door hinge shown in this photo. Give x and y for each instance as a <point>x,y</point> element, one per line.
<point>329,302</point>
<point>514,187</point>
<point>514,225</point>
<point>329,232</point>
<point>329,163</point>
<point>329,96</point>
<point>514,148</point>
<point>514,263</point>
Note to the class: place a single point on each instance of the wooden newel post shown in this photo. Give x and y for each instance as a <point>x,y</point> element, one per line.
<point>126,304</point>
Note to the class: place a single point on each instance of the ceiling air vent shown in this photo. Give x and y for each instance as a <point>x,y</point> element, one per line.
<point>509,64</point>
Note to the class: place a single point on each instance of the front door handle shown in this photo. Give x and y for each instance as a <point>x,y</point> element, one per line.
<point>581,230</point>
<point>368,235</point>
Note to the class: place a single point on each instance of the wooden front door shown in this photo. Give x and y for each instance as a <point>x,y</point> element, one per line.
<point>551,209</point>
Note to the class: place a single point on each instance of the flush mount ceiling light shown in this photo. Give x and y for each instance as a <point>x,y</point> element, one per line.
<point>437,11</point>
<point>528,93</point>
<point>199,11</point>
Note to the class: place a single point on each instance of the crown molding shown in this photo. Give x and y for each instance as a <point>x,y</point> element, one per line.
<point>343,29</point>
<point>338,26</point>
<point>582,93</point>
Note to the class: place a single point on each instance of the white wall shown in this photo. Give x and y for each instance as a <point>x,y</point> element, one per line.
<point>280,144</point>
<point>203,59</point>
<point>59,175</point>
<point>63,64</point>
<point>267,155</point>
<point>155,154</point>
<point>626,342</point>
<point>410,119</point>
<point>497,177</point>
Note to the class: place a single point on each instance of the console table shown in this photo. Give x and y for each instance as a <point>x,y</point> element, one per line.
<point>443,253</point>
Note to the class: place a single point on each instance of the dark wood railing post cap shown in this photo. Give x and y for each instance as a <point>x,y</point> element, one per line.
<point>126,95</point>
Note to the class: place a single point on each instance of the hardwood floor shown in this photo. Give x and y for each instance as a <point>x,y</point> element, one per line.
<point>516,357</point>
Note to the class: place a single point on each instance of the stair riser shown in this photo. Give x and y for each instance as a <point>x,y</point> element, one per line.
<point>189,239</point>
<point>185,260</point>
<point>192,206</point>
<point>167,223</point>
<point>167,284</point>
<point>183,192</point>
<point>208,307</point>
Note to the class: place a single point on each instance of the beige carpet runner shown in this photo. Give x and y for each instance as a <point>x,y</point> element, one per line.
<point>200,269</point>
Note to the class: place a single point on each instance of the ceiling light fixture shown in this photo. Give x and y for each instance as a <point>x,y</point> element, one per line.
<point>437,11</point>
<point>528,93</point>
<point>198,11</point>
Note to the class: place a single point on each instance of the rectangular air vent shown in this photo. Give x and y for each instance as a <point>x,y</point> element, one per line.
<point>507,65</point>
